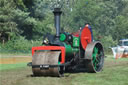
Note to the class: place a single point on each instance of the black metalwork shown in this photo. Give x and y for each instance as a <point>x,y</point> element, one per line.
<point>57,13</point>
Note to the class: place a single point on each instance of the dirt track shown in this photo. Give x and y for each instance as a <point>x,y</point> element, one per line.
<point>14,60</point>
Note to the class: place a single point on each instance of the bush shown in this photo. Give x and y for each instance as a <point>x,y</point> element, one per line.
<point>108,42</point>
<point>22,44</point>
<point>19,45</point>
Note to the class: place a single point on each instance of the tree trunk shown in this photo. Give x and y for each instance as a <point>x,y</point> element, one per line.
<point>3,41</point>
<point>9,38</point>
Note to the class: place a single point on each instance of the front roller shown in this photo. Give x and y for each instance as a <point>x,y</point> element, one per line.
<point>44,63</point>
<point>94,56</point>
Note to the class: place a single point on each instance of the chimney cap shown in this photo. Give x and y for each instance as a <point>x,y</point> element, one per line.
<point>57,10</point>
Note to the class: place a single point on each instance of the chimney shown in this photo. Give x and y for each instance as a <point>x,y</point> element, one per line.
<point>57,13</point>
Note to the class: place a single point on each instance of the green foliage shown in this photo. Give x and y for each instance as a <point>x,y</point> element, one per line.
<point>8,28</point>
<point>20,45</point>
<point>108,42</point>
<point>27,20</point>
<point>120,29</point>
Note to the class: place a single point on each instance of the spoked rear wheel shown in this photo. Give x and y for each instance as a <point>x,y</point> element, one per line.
<point>94,56</point>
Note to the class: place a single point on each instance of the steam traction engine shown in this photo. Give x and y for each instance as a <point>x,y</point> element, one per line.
<point>67,52</point>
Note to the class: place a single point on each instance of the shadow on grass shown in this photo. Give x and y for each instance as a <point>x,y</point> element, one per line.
<point>66,74</point>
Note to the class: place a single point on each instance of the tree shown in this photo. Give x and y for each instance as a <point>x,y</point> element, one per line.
<point>8,28</point>
<point>120,30</point>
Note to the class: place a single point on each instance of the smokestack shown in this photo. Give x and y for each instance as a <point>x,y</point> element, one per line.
<point>57,13</point>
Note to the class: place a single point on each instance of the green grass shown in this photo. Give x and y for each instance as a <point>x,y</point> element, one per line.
<point>115,73</point>
<point>12,66</point>
<point>110,76</point>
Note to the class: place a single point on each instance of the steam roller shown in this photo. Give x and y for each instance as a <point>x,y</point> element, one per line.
<point>67,52</point>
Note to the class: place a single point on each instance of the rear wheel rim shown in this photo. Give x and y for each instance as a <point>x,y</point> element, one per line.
<point>94,56</point>
<point>97,59</point>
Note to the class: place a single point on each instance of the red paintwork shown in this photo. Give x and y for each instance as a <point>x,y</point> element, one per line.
<point>62,49</point>
<point>86,37</point>
<point>76,34</point>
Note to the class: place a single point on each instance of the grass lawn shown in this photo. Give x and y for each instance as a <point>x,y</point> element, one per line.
<point>115,72</point>
<point>12,66</point>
